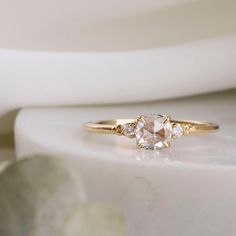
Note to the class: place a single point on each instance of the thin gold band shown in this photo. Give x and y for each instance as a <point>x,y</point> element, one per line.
<point>113,126</point>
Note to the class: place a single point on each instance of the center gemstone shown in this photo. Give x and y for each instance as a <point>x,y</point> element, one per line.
<point>153,131</point>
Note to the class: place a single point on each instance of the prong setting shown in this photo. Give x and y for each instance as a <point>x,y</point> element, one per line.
<point>139,145</point>
<point>166,119</point>
<point>166,144</point>
<point>153,131</point>
<point>140,118</point>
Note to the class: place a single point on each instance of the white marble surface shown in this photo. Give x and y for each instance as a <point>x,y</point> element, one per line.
<point>187,190</point>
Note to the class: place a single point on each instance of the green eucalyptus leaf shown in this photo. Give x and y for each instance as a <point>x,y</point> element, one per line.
<point>37,195</point>
<point>43,196</point>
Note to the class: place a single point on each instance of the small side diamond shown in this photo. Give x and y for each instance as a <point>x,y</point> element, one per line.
<point>128,130</point>
<point>177,130</point>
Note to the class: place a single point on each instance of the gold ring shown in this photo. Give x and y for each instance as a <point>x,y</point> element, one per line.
<point>151,131</point>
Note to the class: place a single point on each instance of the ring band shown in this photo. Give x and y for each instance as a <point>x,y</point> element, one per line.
<point>152,131</point>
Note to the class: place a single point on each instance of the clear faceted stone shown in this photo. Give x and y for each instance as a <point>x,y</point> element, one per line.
<point>153,132</point>
<point>128,130</point>
<point>178,130</point>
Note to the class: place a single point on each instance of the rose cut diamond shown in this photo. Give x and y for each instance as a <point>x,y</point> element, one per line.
<point>128,130</point>
<point>178,130</point>
<point>153,131</point>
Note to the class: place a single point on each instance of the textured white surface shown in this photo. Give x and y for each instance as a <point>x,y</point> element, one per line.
<point>185,191</point>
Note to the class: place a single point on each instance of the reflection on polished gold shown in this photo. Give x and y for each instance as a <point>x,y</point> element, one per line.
<point>151,131</point>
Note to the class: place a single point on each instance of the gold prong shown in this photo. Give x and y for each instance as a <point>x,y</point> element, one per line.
<point>166,119</point>
<point>166,144</point>
<point>173,136</point>
<point>133,123</point>
<point>139,145</point>
<point>140,117</point>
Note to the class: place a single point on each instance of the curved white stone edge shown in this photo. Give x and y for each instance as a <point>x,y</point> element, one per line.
<point>97,25</point>
<point>46,79</point>
<point>168,198</point>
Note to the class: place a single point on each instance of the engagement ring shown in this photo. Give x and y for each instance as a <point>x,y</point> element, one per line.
<point>151,131</point>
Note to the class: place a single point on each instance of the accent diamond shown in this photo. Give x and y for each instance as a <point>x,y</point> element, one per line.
<point>178,130</point>
<point>128,130</point>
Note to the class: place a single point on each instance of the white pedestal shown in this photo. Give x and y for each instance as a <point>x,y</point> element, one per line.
<point>187,190</point>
